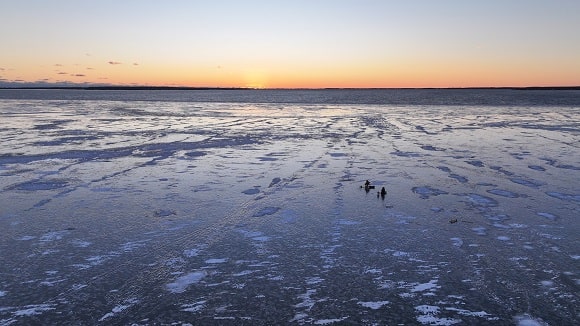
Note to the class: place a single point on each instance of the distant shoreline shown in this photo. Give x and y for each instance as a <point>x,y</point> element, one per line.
<point>178,88</point>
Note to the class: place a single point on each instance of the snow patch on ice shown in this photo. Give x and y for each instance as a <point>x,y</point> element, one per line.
<point>262,238</point>
<point>428,316</point>
<point>527,320</point>
<point>80,243</point>
<point>549,216</point>
<point>426,309</point>
<point>373,304</point>
<point>463,312</point>
<point>314,280</point>
<point>429,286</point>
<point>306,304</point>
<point>120,308</point>
<point>481,201</point>
<point>547,283</point>
<point>130,246</point>
<point>329,321</point>
<point>53,236</point>
<point>182,283</point>
<point>457,242</point>
<point>480,230</point>
<point>194,307</point>
<point>31,310</point>
<point>216,260</point>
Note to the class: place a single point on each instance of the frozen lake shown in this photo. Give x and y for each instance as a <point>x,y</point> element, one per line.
<point>160,212</point>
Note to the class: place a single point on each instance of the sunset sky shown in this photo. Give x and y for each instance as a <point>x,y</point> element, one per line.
<point>294,44</point>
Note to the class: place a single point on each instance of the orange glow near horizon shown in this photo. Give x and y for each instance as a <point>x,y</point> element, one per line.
<point>369,75</point>
<point>257,45</point>
<point>388,73</point>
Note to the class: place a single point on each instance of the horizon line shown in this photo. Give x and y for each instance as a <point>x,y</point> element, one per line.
<point>185,88</point>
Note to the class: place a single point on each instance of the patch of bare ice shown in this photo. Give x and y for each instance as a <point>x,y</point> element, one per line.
<point>563,196</point>
<point>266,211</point>
<point>549,216</point>
<point>347,222</point>
<point>425,191</point>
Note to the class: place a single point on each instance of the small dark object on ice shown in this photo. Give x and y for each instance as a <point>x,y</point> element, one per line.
<point>453,220</point>
<point>164,213</point>
<point>368,186</point>
<point>382,193</point>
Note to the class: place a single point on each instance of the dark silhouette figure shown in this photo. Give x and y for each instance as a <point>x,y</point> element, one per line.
<point>368,186</point>
<point>383,193</point>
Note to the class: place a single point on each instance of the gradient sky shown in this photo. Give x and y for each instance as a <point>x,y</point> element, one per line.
<point>294,43</point>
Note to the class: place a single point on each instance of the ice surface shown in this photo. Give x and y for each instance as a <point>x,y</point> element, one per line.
<point>164,212</point>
